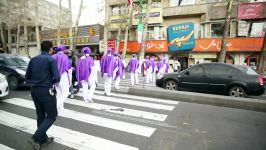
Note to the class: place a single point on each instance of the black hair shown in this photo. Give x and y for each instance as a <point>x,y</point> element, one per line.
<point>46,46</point>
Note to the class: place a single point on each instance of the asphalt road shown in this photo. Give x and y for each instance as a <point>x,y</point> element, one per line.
<point>128,122</point>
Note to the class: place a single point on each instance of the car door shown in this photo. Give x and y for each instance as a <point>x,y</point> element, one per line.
<point>193,79</point>
<point>219,77</point>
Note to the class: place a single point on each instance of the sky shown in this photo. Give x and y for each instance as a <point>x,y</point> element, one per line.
<point>92,12</point>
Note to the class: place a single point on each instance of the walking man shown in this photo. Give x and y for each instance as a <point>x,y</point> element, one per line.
<point>84,74</point>
<point>42,74</point>
<point>119,68</point>
<point>107,71</point>
<point>64,68</point>
<point>133,65</point>
<point>146,69</point>
<point>153,64</point>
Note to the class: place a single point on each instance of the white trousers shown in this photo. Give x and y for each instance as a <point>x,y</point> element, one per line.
<point>107,84</point>
<point>134,78</point>
<point>152,76</point>
<point>117,81</point>
<point>62,91</point>
<point>88,94</point>
<point>148,75</point>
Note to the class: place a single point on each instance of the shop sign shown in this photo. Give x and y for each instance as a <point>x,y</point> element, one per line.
<point>150,46</point>
<point>111,44</point>
<point>202,55</point>
<point>250,11</point>
<point>181,37</point>
<point>117,22</point>
<point>155,16</point>
<point>233,45</point>
<point>243,27</point>
<point>79,41</point>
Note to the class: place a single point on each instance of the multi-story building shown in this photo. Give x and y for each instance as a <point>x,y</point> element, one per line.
<point>204,18</point>
<point>23,13</point>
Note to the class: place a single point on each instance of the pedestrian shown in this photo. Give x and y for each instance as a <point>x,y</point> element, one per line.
<point>84,73</point>
<point>176,65</point>
<point>146,69</point>
<point>133,65</point>
<point>42,74</point>
<point>119,70</point>
<point>62,88</point>
<point>72,64</point>
<point>153,64</point>
<point>107,71</point>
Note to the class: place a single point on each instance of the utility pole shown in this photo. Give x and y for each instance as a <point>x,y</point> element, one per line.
<point>262,60</point>
<point>143,43</point>
<point>37,27</point>
<point>127,28</point>
<point>59,22</point>
<point>70,35</point>
<point>225,33</point>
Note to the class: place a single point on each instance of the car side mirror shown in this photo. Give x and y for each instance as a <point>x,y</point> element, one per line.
<point>187,73</point>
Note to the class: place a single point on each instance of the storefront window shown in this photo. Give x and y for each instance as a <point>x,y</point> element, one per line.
<point>217,30</point>
<point>155,33</point>
<point>257,29</point>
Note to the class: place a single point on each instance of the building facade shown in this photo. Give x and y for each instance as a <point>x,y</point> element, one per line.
<point>202,20</point>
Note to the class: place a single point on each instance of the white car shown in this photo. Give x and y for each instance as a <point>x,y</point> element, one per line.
<point>4,91</point>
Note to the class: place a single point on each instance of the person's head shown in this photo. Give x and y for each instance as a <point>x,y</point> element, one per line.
<point>152,58</point>
<point>134,56</point>
<point>46,46</point>
<point>116,54</point>
<point>147,57</point>
<point>60,48</point>
<point>86,50</point>
<point>109,50</point>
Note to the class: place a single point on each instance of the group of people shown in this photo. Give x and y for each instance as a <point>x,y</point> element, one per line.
<point>53,74</point>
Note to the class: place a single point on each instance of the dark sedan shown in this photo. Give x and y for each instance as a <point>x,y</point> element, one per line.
<point>218,78</point>
<point>14,68</point>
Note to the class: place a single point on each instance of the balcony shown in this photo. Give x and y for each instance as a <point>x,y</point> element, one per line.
<point>185,10</point>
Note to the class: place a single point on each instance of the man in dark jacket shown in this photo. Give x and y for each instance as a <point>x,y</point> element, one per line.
<point>42,74</point>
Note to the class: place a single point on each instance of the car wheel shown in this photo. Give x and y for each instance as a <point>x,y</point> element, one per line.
<point>237,91</point>
<point>171,85</point>
<point>12,83</point>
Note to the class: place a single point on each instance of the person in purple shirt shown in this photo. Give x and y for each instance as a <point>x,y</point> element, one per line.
<point>107,71</point>
<point>84,74</point>
<point>153,64</point>
<point>118,69</point>
<point>62,88</point>
<point>133,65</point>
<point>146,69</point>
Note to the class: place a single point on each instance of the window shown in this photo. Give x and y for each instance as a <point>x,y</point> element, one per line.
<point>154,33</point>
<point>197,70</point>
<point>217,70</point>
<point>182,2</point>
<point>217,30</point>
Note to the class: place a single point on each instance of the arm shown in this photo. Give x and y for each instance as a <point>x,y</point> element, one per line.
<point>54,71</point>
<point>28,73</point>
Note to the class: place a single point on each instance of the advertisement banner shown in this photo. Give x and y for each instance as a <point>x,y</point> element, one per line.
<point>150,46</point>
<point>250,11</point>
<point>155,16</point>
<point>181,37</point>
<point>111,44</point>
<point>117,22</point>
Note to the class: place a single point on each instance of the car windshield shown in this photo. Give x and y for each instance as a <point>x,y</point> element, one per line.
<point>16,61</point>
<point>247,70</point>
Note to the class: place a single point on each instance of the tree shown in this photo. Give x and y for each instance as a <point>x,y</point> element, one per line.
<point>70,25</point>
<point>26,28</point>
<point>59,22</point>
<point>2,34</point>
<point>262,60</point>
<point>37,30</point>
<point>225,33</point>
<point>76,25</point>
<point>129,20</point>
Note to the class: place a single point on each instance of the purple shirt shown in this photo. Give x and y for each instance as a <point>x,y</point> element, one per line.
<point>62,62</point>
<point>117,63</point>
<point>106,66</point>
<point>133,65</point>
<point>84,68</point>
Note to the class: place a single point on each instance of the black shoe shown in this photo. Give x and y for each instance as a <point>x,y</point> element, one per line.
<point>35,145</point>
<point>49,140</point>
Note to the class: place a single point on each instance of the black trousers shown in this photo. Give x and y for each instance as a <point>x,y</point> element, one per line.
<point>46,112</point>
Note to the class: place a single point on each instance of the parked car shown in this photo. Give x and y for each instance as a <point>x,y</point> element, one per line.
<point>14,68</point>
<point>218,78</point>
<point>4,91</point>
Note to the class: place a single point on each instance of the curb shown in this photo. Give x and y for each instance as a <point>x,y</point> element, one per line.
<point>199,98</point>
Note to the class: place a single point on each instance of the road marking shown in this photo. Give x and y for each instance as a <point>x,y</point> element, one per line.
<point>171,102</point>
<point>91,119</point>
<point>119,110</point>
<point>4,147</point>
<point>131,102</point>
<point>64,136</point>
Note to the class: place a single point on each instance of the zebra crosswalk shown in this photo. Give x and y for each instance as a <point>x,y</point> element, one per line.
<point>117,122</point>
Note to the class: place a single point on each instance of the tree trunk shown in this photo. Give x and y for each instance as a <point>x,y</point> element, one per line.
<point>225,33</point>
<point>262,60</point>
<point>18,39</point>
<point>143,43</point>
<point>59,23</point>
<point>118,39</point>
<point>127,28</point>
<point>76,26</point>
<point>26,40</point>
<point>9,38</point>
<point>37,30</point>
<point>70,26</point>
<point>3,36</point>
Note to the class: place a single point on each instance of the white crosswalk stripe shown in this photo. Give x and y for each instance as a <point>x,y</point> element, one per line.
<point>119,104</point>
<point>4,147</point>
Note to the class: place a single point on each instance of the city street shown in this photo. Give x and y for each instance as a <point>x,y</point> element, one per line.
<point>125,122</point>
